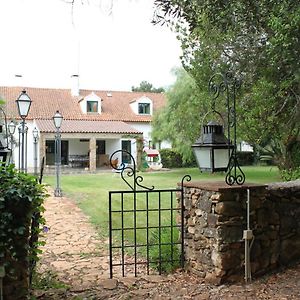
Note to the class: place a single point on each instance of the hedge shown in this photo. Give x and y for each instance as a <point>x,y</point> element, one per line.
<point>21,199</point>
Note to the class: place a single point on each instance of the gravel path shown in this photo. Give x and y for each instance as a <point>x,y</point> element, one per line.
<point>79,257</point>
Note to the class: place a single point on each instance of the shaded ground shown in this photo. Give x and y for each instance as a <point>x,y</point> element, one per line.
<point>79,258</point>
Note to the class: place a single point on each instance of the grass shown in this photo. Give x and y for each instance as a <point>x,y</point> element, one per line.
<point>91,191</point>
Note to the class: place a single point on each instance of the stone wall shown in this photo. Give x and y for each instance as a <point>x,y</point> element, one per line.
<point>215,218</point>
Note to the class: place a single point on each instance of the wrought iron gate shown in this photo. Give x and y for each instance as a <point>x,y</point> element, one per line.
<point>146,233</point>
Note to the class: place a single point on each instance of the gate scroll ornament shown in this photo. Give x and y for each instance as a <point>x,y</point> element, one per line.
<point>129,170</point>
<point>142,200</point>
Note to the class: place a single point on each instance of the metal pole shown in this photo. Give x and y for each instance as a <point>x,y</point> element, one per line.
<point>58,191</point>
<point>35,156</point>
<point>11,148</point>
<point>25,149</point>
<point>248,236</point>
<point>19,162</point>
<point>22,144</point>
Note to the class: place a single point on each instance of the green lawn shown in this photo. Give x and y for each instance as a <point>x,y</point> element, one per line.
<point>91,191</point>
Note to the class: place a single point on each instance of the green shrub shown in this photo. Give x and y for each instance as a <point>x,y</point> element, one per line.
<point>295,155</point>
<point>167,258</point>
<point>170,158</point>
<point>245,158</point>
<point>21,198</point>
<point>291,174</point>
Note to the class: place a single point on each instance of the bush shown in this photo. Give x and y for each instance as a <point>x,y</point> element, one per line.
<point>245,158</point>
<point>291,174</point>
<point>21,198</point>
<point>170,158</point>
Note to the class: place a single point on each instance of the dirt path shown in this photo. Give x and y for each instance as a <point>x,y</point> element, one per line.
<point>79,258</point>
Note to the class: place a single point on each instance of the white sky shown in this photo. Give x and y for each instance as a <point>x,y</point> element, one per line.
<point>39,41</point>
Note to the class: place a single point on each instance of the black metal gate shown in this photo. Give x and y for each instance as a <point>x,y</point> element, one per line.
<point>146,233</point>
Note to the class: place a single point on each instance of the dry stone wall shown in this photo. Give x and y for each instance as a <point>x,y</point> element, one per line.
<point>216,216</point>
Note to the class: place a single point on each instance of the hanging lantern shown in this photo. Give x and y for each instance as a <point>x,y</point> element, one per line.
<point>212,150</point>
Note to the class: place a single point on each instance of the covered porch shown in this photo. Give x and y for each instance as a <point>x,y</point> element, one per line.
<point>87,145</point>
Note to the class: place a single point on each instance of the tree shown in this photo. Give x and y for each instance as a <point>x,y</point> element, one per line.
<point>259,42</point>
<point>179,121</point>
<point>145,86</point>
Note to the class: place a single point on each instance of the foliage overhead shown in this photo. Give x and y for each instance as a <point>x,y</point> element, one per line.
<point>259,42</point>
<point>179,121</point>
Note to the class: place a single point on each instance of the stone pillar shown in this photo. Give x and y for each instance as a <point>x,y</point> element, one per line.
<point>215,218</point>
<point>92,154</point>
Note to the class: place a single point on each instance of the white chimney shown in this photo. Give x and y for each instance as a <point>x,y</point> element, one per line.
<point>19,81</point>
<point>75,85</point>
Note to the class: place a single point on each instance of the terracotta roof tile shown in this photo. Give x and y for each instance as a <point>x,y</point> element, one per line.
<point>45,102</point>
<point>87,126</point>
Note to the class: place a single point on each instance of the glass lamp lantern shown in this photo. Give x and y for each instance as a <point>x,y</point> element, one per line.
<point>11,127</point>
<point>212,150</point>
<point>24,103</point>
<point>35,133</point>
<point>57,119</point>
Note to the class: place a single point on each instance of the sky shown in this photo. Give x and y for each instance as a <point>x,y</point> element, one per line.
<point>45,43</point>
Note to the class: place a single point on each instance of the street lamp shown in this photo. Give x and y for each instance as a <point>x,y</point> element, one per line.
<point>35,134</point>
<point>213,151</point>
<point>23,103</point>
<point>11,129</point>
<point>57,119</point>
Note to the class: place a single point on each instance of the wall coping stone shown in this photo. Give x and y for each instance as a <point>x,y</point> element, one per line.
<point>285,184</point>
<point>221,186</point>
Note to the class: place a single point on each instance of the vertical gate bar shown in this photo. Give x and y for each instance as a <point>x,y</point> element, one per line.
<point>147,231</point>
<point>172,245</point>
<point>159,230</point>
<point>122,224</point>
<point>110,238</point>
<point>182,226</point>
<point>134,229</point>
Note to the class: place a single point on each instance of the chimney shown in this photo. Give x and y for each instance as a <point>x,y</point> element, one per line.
<point>75,85</point>
<point>19,81</point>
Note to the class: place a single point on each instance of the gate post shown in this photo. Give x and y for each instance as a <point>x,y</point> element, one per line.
<point>214,221</point>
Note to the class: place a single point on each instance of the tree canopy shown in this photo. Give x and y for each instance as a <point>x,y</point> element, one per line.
<point>179,121</point>
<point>145,86</point>
<point>259,42</point>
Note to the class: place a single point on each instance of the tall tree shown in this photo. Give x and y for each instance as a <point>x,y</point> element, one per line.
<point>179,121</point>
<point>259,42</point>
<point>145,86</point>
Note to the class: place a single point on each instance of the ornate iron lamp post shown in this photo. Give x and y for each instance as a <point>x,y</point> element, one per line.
<point>11,129</point>
<point>57,119</point>
<point>213,151</point>
<point>35,134</point>
<point>23,103</point>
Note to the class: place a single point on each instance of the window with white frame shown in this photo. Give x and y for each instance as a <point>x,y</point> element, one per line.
<point>144,108</point>
<point>91,106</point>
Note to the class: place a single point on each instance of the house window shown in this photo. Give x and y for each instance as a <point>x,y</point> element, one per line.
<point>144,108</point>
<point>92,106</point>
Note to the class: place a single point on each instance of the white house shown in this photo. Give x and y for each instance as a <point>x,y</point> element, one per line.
<point>95,123</point>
